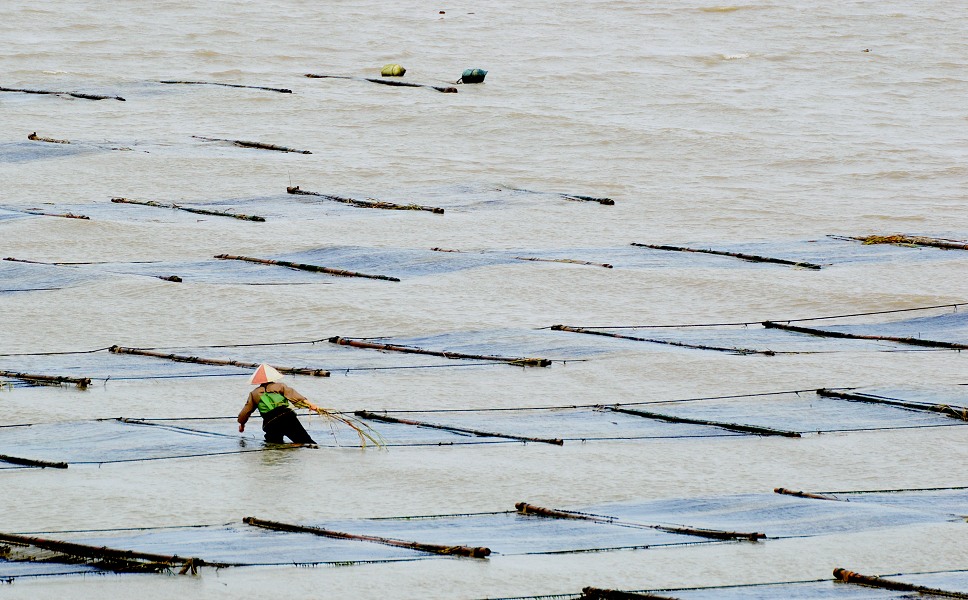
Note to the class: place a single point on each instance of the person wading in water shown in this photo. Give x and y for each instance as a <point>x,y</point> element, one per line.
<point>272,399</point>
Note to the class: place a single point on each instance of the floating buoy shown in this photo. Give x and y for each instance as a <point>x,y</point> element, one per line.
<point>472,76</point>
<point>393,70</point>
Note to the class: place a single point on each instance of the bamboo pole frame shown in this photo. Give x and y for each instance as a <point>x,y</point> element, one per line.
<point>479,552</point>
<point>232,85</point>
<point>530,509</point>
<point>115,559</point>
<point>198,211</point>
<point>594,593</point>
<point>520,362</point>
<point>257,145</point>
<point>955,412</point>
<point>217,362</point>
<point>857,336</point>
<point>305,267</point>
<point>446,90</point>
<point>365,414</point>
<point>30,462</point>
<point>742,351</point>
<point>80,382</point>
<point>871,581</point>
<point>754,429</point>
<point>365,203</point>
<point>749,257</point>
<point>788,492</point>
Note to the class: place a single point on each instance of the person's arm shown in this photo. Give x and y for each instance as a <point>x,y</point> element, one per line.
<point>297,399</point>
<point>247,410</point>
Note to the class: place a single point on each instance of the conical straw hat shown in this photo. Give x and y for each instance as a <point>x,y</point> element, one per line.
<point>265,374</point>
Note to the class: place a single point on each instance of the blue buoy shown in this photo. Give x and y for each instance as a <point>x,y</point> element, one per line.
<point>472,76</point>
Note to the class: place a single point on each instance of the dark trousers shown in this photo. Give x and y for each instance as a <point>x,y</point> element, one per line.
<point>282,421</point>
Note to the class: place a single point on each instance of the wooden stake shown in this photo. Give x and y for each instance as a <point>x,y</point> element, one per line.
<point>530,509</point>
<point>521,362</point>
<point>888,584</point>
<point>259,145</point>
<point>305,267</point>
<point>667,342</point>
<point>913,240</point>
<point>366,203</point>
<point>446,90</point>
<point>81,382</point>
<point>233,85</point>
<point>213,361</point>
<point>33,136</point>
<point>857,336</point>
<point>127,558</point>
<point>955,412</point>
<point>480,552</point>
<point>557,260</point>
<point>74,94</point>
<point>803,494</point>
<point>30,462</point>
<point>728,426</point>
<point>199,211</point>
<point>593,593</point>
<point>749,257</point>
<point>364,414</point>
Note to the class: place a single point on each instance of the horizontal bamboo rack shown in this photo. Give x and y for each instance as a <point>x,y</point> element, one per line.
<point>530,509</point>
<point>749,257</point>
<point>214,361</point>
<point>364,414</point>
<point>479,552</point>
<point>305,267</point>
<point>521,362</point>
<point>856,336</point>
<point>754,429</point>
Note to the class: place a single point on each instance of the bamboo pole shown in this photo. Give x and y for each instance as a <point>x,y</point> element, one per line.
<point>218,362</point>
<point>749,257</point>
<point>74,94</point>
<point>365,414</point>
<point>366,203</point>
<point>40,213</point>
<point>728,426</point>
<point>199,211</point>
<point>81,382</point>
<point>787,492</point>
<point>871,581</point>
<point>233,85</point>
<point>572,197</point>
<point>594,593</point>
<point>955,412</point>
<point>479,552</point>
<point>530,509</point>
<point>557,260</point>
<point>259,145</point>
<point>667,342</point>
<point>129,558</point>
<point>446,90</point>
<point>521,362</point>
<point>30,462</point>
<point>915,240</point>
<point>857,336</point>
<point>578,198</point>
<point>305,267</point>
<point>33,136</point>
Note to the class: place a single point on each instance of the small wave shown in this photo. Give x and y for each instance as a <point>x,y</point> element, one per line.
<point>721,9</point>
<point>739,56</point>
